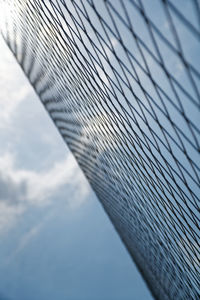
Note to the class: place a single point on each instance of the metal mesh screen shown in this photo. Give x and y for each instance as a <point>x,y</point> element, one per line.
<point>121,81</point>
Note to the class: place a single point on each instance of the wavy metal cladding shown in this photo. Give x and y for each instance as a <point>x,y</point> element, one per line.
<point>121,81</point>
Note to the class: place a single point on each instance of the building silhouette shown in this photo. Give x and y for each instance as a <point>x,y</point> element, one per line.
<point>121,81</point>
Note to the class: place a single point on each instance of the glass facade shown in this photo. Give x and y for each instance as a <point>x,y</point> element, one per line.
<point>121,81</point>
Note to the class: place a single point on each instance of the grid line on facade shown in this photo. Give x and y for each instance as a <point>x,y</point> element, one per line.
<point>121,81</point>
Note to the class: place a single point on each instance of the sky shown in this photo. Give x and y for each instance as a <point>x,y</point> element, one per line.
<point>56,242</point>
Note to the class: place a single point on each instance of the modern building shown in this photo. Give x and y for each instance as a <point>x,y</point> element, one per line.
<point>121,81</point>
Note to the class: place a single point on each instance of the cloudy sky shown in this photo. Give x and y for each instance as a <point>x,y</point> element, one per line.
<point>56,242</point>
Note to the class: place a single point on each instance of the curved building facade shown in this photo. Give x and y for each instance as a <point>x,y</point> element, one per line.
<point>121,81</point>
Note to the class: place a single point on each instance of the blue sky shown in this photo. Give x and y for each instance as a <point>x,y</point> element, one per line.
<point>56,242</point>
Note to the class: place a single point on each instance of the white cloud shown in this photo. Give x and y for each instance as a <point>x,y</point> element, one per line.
<point>24,188</point>
<point>8,215</point>
<point>14,89</point>
<point>24,240</point>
